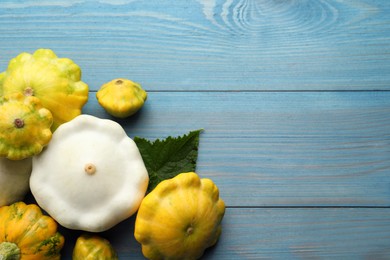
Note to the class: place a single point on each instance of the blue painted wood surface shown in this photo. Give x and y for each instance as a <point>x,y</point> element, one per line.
<point>293,97</point>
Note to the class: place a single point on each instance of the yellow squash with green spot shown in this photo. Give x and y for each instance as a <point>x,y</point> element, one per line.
<point>55,81</point>
<point>180,218</point>
<point>121,97</point>
<point>24,126</point>
<point>93,247</point>
<point>27,234</point>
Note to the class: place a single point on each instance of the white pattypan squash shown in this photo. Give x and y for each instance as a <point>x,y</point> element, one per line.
<point>91,176</point>
<point>14,176</point>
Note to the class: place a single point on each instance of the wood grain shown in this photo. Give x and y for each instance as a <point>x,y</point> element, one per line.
<point>210,44</point>
<point>264,149</point>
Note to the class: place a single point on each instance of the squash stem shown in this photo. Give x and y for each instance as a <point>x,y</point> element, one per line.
<point>189,231</point>
<point>19,123</point>
<point>90,169</point>
<point>29,92</point>
<point>9,251</point>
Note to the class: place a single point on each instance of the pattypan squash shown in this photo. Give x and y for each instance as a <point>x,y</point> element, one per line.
<point>93,247</point>
<point>25,233</point>
<point>55,81</point>
<point>91,176</point>
<point>121,97</point>
<point>180,218</point>
<point>14,180</point>
<point>24,126</point>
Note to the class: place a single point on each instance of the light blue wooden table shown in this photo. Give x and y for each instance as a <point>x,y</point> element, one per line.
<point>293,97</point>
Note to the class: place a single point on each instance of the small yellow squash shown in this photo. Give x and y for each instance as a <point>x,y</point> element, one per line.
<point>24,126</point>
<point>26,234</point>
<point>180,218</point>
<point>93,247</point>
<point>121,97</point>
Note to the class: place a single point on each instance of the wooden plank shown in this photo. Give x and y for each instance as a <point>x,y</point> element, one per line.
<point>210,45</point>
<point>280,233</point>
<point>285,149</point>
<point>259,114</point>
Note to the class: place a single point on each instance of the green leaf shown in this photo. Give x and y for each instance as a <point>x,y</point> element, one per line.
<point>166,158</point>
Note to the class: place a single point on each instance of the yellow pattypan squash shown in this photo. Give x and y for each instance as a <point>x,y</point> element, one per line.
<point>24,126</point>
<point>25,233</point>
<point>93,247</point>
<point>55,81</point>
<point>180,218</point>
<point>121,97</point>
